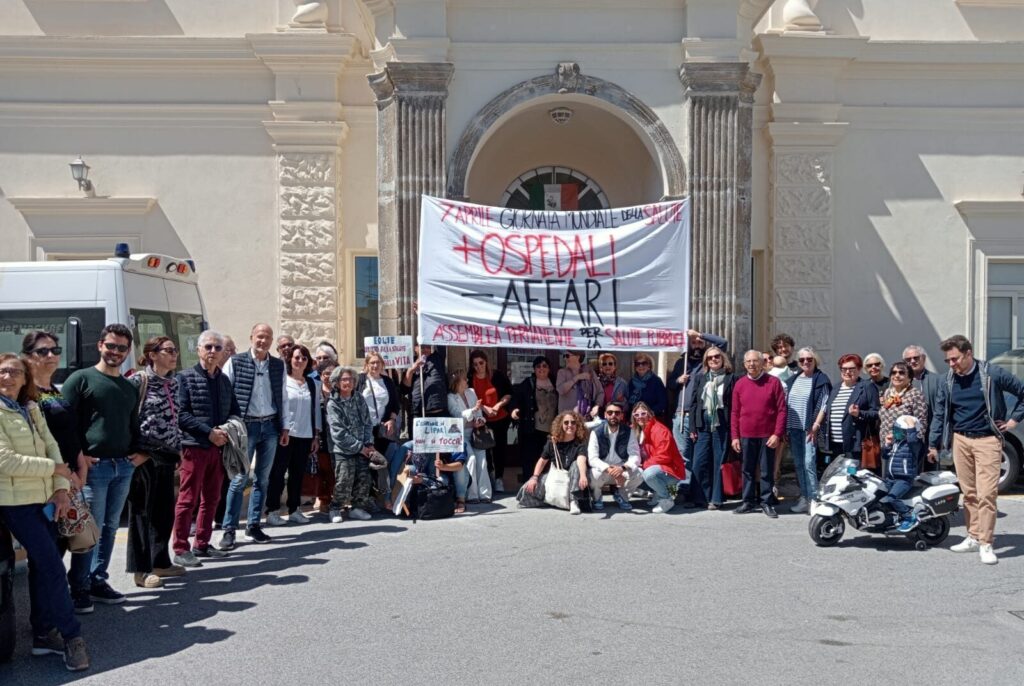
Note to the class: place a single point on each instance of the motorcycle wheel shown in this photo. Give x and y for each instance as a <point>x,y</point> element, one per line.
<point>934,531</point>
<point>826,531</point>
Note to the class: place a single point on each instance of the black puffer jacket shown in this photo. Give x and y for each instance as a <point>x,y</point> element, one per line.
<point>204,402</point>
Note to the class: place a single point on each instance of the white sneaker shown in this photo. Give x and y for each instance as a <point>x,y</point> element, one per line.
<point>297,518</point>
<point>274,519</point>
<point>664,506</point>
<point>574,508</point>
<point>356,513</point>
<point>336,517</point>
<point>801,506</point>
<point>988,556</point>
<point>499,486</point>
<point>968,545</point>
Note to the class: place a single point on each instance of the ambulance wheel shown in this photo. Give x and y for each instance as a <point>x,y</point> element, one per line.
<point>826,531</point>
<point>934,531</point>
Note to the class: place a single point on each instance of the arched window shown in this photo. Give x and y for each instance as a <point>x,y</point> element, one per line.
<point>554,188</point>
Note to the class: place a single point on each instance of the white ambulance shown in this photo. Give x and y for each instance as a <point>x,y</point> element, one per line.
<point>155,295</point>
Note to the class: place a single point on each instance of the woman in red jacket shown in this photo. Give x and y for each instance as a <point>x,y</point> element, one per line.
<point>660,459</point>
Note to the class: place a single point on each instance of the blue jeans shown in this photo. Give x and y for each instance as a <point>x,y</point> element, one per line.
<point>681,432</point>
<point>106,490</point>
<point>48,588</point>
<point>897,489</point>
<point>805,462</point>
<point>708,454</point>
<point>263,438</point>
<point>659,481</point>
<point>459,478</point>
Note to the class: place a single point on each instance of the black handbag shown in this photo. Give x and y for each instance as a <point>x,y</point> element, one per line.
<point>432,499</point>
<point>482,438</point>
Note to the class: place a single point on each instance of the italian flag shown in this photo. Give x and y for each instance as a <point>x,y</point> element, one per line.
<point>558,197</point>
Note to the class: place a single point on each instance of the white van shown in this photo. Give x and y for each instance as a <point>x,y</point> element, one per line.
<point>155,295</point>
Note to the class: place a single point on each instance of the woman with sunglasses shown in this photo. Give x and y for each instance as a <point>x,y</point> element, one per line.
<point>42,351</point>
<point>32,474</point>
<point>900,398</point>
<point>874,365</point>
<point>659,457</point>
<point>852,406</point>
<point>534,407</point>
<point>613,386</point>
<point>495,390</point>
<point>567,446</point>
<point>647,387</point>
<point>807,396</point>
<point>709,427</point>
<point>151,499</point>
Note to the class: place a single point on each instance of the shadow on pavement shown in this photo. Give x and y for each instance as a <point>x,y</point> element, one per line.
<point>161,622</point>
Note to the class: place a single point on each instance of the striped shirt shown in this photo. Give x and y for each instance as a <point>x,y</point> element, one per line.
<point>835,417</point>
<point>796,402</point>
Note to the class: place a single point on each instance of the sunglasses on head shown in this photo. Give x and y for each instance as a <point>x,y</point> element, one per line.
<point>116,347</point>
<point>45,352</point>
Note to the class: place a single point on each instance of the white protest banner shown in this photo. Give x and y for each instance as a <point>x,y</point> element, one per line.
<point>614,279</point>
<point>396,350</point>
<point>437,435</point>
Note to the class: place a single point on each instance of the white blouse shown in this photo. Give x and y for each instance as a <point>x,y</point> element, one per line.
<point>297,415</point>
<point>375,393</point>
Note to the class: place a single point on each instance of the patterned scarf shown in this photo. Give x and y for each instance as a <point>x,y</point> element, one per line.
<point>715,381</point>
<point>637,385</point>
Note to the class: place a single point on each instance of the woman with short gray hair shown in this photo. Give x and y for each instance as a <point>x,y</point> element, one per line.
<point>806,398</point>
<point>352,443</point>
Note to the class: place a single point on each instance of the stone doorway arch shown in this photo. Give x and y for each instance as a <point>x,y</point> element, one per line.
<point>567,79</point>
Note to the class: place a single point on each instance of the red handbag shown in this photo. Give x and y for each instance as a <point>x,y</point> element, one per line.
<point>732,478</point>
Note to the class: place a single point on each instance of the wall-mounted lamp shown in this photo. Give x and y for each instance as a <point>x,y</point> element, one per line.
<point>80,173</point>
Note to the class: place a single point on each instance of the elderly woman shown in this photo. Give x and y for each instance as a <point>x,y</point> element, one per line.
<point>495,390</point>
<point>567,447</point>
<point>709,423</point>
<point>578,387</point>
<point>151,500</point>
<point>302,419</point>
<point>352,442</point>
<point>646,386</point>
<point>463,402</point>
<point>613,387</point>
<point>807,396</point>
<point>852,406</point>
<point>900,398</point>
<point>380,392</point>
<point>324,479</point>
<point>32,475</point>
<point>874,365</point>
<point>659,456</point>
<point>534,406</point>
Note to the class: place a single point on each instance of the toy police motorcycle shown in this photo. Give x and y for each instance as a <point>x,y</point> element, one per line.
<point>848,494</point>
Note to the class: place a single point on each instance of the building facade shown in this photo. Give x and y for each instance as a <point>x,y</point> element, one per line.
<point>856,167</point>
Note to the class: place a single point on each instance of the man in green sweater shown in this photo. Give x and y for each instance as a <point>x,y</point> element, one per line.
<point>106,406</point>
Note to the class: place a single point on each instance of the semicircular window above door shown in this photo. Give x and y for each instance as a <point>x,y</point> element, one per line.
<point>554,188</point>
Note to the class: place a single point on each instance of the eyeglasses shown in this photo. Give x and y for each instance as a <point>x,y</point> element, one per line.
<point>612,413</point>
<point>46,352</point>
<point>169,351</point>
<point>847,370</point>
<point>757,361</point>
<point>116,347</point>
<point>912,358</point>
<point>211,348</point>
<point>12,372</point>
<point>873,364</point>
<point>805,360</point>
<point>642,363</point>
<point>346,378</point>
<point>569,422</point>
<point>607,364</point>
<point>713,357</point>
<point>954,360</point>
<point>897,372</point>
<point>640,415</point>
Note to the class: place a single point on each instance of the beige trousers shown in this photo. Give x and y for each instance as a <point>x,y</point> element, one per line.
<point>977,468</point>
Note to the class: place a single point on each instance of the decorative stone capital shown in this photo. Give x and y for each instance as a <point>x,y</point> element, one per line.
<point>719,78</point>
<point>414,79</point>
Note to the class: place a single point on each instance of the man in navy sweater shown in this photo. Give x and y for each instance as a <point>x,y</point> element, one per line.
<point>970,416</point>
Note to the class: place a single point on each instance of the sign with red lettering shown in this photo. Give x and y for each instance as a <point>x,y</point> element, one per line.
<point>614,279</point>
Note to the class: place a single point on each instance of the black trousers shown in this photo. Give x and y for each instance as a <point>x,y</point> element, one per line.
<point>497,456</point>
<point>531,445</point>
<point>755,453</point>
<point>292,458</point>
<point>151,515</point>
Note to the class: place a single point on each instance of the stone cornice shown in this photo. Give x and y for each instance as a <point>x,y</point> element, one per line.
<point>417,79</point>
<point>719,78</point>
<point>307,136</point>
<point>306,53</point>
<point>42,206</point>
<point>171,115</point>
<point>1004,208</point>
<point>533,56</point>
<point>807,134</point>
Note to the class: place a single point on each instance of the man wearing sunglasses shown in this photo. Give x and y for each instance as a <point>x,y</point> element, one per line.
<point>970,418</point>
<point>928,382</point>
<point>613,456</point>
<point>106,407</point>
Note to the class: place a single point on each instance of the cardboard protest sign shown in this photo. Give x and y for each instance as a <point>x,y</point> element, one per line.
<point>437,435</point>
<point>396,350</point>
<point>614,279</point>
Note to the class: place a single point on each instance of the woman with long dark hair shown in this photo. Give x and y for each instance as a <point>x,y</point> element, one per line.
<point>535,404</point>
<point>495,390</point>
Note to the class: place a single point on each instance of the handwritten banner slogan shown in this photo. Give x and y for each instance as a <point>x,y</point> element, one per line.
<point>602,279</point>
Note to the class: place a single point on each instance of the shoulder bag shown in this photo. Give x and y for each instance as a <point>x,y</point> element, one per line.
<point>380,430</point>
<point>482,438</point>
<point>556,482</point>
<point>78,525</point>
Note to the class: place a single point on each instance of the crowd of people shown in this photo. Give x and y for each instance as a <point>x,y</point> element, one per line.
<point>182,446</point>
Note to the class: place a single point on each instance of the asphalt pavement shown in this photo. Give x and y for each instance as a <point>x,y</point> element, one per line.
<point>507,596</point>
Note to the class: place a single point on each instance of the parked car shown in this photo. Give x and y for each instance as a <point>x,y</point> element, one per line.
<point>6,595</point>
<point>1013,447</point>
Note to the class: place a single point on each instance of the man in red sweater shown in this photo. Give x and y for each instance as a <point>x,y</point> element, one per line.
<point>758,424</point>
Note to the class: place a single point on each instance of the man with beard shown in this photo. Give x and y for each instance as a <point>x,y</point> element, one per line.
<point>613,456</point>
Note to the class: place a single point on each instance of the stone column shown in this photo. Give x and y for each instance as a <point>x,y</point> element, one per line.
<point>411,153</point>
<point>719,98</point>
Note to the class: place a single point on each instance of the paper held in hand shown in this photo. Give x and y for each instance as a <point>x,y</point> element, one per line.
<point>437,435</point>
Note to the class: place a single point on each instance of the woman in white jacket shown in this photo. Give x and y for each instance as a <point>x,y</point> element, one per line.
<point>462,402</point>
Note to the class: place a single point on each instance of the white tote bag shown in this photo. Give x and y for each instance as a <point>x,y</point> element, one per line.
<point>556,483</point>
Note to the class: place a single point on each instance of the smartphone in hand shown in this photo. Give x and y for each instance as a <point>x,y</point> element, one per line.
<point>50,510</point>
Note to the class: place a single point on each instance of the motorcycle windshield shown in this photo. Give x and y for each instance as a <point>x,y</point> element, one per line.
<point>837,466</point>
